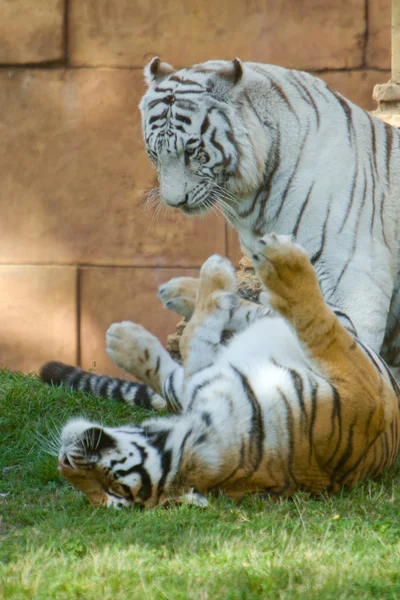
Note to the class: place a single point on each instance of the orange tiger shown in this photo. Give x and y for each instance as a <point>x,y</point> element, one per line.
<point>293,401</point>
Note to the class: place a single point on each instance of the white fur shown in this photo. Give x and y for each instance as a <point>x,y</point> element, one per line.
<point>359,263</point>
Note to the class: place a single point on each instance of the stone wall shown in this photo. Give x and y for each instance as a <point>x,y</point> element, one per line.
<point>77,249</point>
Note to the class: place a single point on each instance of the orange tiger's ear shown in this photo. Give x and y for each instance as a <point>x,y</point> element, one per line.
<point>156,70</point>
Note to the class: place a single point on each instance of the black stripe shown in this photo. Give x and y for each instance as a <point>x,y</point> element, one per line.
<point>362,456</point>
<point>146,488</point>
<point>116,392</point>
<point>205,125</point>
<point>347,111</point>
<point>182,447</point>
<point>299,387</point>
<point>290,431</point>
<point>166,462</point>
<point>162,115</point>
<point>340,313</point>
<point>295,79</point>
<point>258,228</point>
<point>314,394</point>
<point>118,462</point>
<point>370,356</point>
<point>76,378</point>
<point>351,199</point>
<point>373,138</point>
<point>297,224</point>
<point>358,221</point>
<point>154,103</point>
<point>293,174</point>
<point>335,416</point>
<point>201,386</point>
<point>183,119</point>
<point>235,470</point>
<point>97,440</point>
<point>183,92</point>
<point>206,418</point>
<point>347,453</point>
<point>318,254</point>
<point>257,434</point>
<point>253,108</point>
<point>381,216</point>
<point>275,86</point>
<point>371,227</point>
<point>103,388</point>
<point>142,397</point>
<point>389,146</point>
<point>173,394</point>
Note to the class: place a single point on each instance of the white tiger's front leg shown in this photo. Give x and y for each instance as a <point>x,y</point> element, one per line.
<point>134,349</point>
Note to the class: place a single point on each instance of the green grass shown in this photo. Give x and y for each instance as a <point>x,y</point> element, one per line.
<point>54,545</point>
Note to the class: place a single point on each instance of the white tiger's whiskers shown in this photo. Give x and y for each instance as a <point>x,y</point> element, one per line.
<point>157,212</point>
<point>150,198</point>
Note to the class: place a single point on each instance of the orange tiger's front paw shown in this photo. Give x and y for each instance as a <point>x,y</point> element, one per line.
<point>284,269</point>
<point>278,251</point>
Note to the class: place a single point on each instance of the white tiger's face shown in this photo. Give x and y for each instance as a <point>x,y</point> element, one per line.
<point>191,145</point>
<point>197,140</point>
<point>112,466</point>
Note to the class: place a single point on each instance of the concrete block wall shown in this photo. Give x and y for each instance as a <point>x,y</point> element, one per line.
<point>77,249</point>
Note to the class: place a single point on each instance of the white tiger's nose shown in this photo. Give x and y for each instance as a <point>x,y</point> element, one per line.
<point>176,203</point>
<point>173,184</point>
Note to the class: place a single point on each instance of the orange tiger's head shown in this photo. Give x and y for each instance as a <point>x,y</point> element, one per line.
<point>112,466</point>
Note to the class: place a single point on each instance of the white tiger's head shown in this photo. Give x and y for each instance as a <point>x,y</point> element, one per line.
<point>201,135</point>
<point>122,466</point>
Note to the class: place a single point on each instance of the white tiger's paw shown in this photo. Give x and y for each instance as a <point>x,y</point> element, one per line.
<point>179,294</point>
<point>134,349</point>
<point>218,274</point>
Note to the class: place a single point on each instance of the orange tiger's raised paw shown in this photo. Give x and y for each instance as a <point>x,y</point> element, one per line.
<point>286,271</point>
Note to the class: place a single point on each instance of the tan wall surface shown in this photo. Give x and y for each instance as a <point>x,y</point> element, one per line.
<point>77,248</point>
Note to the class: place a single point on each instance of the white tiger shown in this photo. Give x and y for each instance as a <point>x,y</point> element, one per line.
<point>278,150</point>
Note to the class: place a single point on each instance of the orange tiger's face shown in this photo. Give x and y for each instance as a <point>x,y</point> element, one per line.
<point>94,482</point>
<point>112,466</point>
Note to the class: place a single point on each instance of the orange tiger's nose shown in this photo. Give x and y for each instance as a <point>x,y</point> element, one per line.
<point>64,463</point>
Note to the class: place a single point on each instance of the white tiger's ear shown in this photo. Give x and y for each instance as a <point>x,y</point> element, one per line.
<point>226,81</point>
<point>156,70</point>
<point>233,72</point>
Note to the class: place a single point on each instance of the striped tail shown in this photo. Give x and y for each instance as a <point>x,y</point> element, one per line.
<point>135,394</point>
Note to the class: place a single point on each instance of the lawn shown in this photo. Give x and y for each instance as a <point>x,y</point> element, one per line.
<point>54,545</point>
